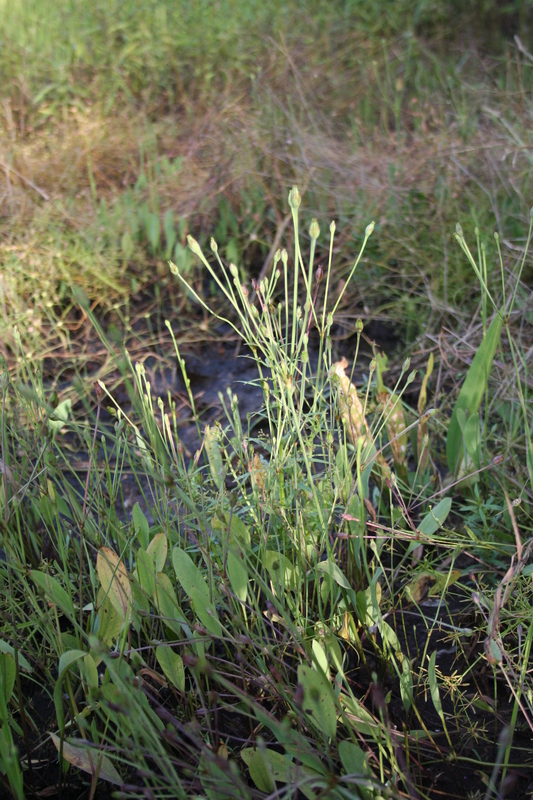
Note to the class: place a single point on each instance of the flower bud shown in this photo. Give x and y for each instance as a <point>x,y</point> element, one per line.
<point>233,270</point>
<point>369,229</point>
<point>214,245</point>
<point>359,325</point>
<point>319,274</point>
<point>459,231</point>
<point>194,246</point>
<point>294,198</point>
<point>314,230</point>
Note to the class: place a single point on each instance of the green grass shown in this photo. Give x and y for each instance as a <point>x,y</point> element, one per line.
<point>237,633</point>
<point>226,646</point>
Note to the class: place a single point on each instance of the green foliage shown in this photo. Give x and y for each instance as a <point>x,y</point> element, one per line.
<point>294,547</point>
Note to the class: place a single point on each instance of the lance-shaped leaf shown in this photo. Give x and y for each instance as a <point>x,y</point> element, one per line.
<point>350,406</point>
<point>172,665</point>
<point>115,582</point>
<point>88,760</point>
<point>318,701</point>
<point>472,391</point>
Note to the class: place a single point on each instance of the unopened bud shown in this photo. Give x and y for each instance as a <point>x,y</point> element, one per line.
<point>294,198</point>
<point>194,246</point>
<point>233,270</point>
<point>459,231</point>
<point>406,364</point>
<point>369,229</point>
<point>359,325</point>
<point>314,230</point>
<point>332,227</point>
<point>319,274</point>
<point>214,245</point>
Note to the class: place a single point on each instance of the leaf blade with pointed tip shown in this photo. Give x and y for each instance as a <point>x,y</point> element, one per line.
<point>88,760</point>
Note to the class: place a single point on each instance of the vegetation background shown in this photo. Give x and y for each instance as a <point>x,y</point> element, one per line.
<point>128,125</point>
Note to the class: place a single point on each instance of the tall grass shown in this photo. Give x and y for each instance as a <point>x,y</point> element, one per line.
<point>242,636</point>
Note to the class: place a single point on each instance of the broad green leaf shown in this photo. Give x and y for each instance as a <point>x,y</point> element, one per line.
<point>206,612</point>
<point>278,763</point>
<point>472,391</point>
<point>189,575</point>
<point>23,662</point>
<point>91,671</point>
<point>436,518</point>
<point>166,602</point>
<point>359,717</point>
<point>318,701</point>
<point>172,665</point>
<point>282,769</point>
<point>367,604</point>
<point>68,659</point>
<point>7,675</point>
<point>238,532</point>
<point>145,571</point>
<point>334,572</point>
<point>238,575</point>
<point>281,571</point>
<point>88,760</point>
<point>196,588</point>
<point>157,550</point>
<point>320,657</point>
<point>114,579</point>
<point>354,759</point>
<point>53,591</point>
<point>141,525</point>
<point>141,603</point>
<point>260,770</point>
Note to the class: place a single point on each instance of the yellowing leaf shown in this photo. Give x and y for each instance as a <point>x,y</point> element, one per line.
<point>88,760</point>
<point>351,408</point>
<point>395,424</point>
<point>115,582</point>
<point>110,621</point>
